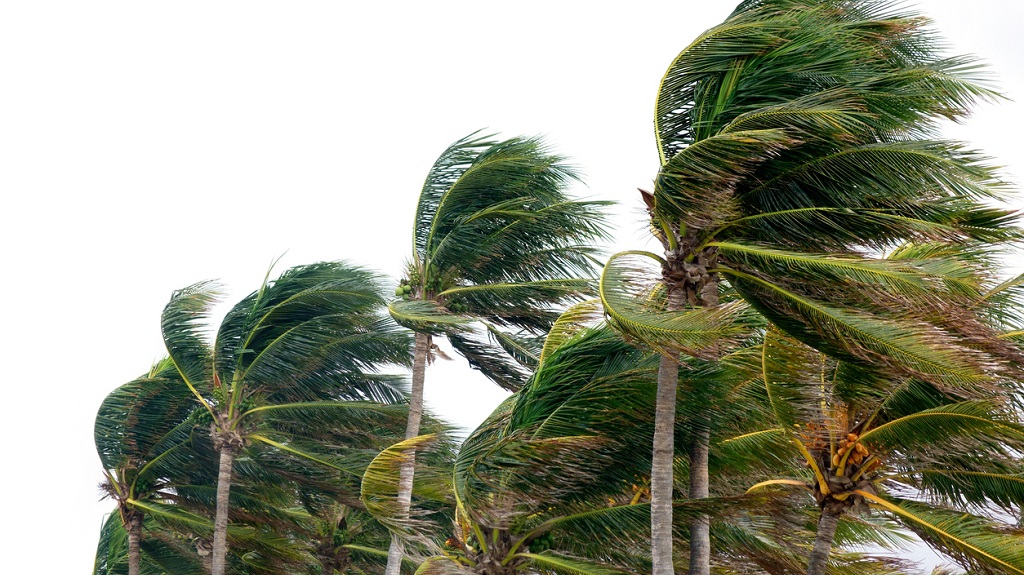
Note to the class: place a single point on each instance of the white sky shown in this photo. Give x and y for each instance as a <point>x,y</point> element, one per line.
<point>145,146</point>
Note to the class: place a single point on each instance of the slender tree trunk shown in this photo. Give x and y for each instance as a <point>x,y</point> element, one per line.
<point>412,429</point>
<point>661,467</point>
<point>700,526</point>
<point>827,524</point>
<point>134,544</point>
<point>220,522</point>
<point>700,482</point>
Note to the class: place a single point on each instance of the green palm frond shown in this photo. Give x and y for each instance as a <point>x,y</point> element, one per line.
<point>980,488</point>
<point>696,186</point>
<point>825,228</point>
<point>184,324</point>
<point>595,531</point>
<point>309,317</point>
<point>446,170</point>
<point>1004,302</point>
<point>491,361</point>
<point>174,516</point>
<point>561,565</point>
<point>628,296</point>
<point>427,316</point>
<point>969,425</point>
<point>915,347</point>
<point>837,113</point>
<point>571,322</point>
<point>522,347</point>
<point>141,419</point>
<point>898,276</point>
<point>525,304</point>
<point>473,173</point>
<point>975,542</point>
<point>379,490</point>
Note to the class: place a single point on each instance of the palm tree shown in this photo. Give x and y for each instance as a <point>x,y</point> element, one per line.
<point>496,240</point>
<point>943,461</point>
<point>142,433</point>
<point>305,347</point>
<point>795,146</point>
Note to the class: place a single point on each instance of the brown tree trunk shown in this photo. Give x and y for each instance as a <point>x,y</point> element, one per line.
<point>134,543</point>
<point>661,467</point>
<point>827,524</point>
<point>220,522</point>
<point>412,429</point>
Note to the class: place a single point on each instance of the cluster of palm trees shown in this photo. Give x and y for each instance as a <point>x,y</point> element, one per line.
<point>822,360</point>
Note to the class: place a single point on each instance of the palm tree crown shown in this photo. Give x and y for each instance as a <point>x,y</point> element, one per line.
<point>301,354</point>
<point>497,239</point>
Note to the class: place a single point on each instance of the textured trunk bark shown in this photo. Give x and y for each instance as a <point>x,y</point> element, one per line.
<point>827,524</point>
<point>412,429</point>
<point>661,467</point>
<point>220,522</point>
<point>134,545</point>
<point>700,526</point>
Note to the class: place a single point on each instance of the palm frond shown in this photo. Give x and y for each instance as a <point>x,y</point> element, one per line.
<point>696,187</point>
<point>490,360</point>
<point>570,323</point>
<point>427,316</point>
<point>975,542</point>
<point>562,565</point>
<point>379,490</point>
<point>184,324</point>
<point>970,426</point>
<point>627,293</point>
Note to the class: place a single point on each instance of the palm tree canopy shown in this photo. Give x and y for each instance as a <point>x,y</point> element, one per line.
<point>144,420</point>
<point>497,239</point>
<point>313,334</point>
<point>797,145</point>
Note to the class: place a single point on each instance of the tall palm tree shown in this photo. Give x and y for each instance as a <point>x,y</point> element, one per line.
<point>304,347</point>
<point>142,433</point>
<point>795,142</point>
<point>496,240</point>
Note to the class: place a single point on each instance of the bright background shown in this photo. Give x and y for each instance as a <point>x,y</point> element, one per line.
<point>145,146</point>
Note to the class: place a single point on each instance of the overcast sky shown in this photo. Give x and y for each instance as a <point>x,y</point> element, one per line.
<point>145,146</point>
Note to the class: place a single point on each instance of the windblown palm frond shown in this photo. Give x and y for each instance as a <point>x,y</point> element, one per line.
<point>637,308</point>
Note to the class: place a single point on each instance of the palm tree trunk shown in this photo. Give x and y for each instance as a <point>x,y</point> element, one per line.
<point>412,429</point>
<point>700,526</point>
<point>134,544</point>
<point>661,467</point>
<point>220,522</point>
<point>827,524</point>
<point>700,483</point>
